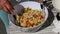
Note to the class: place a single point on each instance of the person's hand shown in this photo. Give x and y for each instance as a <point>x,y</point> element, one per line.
<point>6,6</point>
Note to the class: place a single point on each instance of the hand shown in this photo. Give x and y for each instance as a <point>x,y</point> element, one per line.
<point>6,6</point>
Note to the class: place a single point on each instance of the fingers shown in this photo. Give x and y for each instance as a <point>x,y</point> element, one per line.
<point>7,7</point>
<point>9,10</point>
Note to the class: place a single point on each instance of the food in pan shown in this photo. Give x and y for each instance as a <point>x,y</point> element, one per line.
<point>31,18</point>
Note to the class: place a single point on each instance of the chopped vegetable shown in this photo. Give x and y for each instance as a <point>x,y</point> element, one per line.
<point>31,18</point>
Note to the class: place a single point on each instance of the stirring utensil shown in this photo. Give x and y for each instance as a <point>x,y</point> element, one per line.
<point>42,6</point>
<point>19,10</point>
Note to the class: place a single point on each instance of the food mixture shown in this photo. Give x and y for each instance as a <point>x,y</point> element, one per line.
<point>31,18</point>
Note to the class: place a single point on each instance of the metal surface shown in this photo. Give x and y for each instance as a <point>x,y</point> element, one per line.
<point>18,9</point>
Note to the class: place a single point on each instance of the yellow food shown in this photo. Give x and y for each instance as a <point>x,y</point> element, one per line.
<point>31,18</point>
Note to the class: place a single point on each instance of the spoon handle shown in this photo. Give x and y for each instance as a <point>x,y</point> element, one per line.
<point>42,6</point>
<point>58,16</point>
